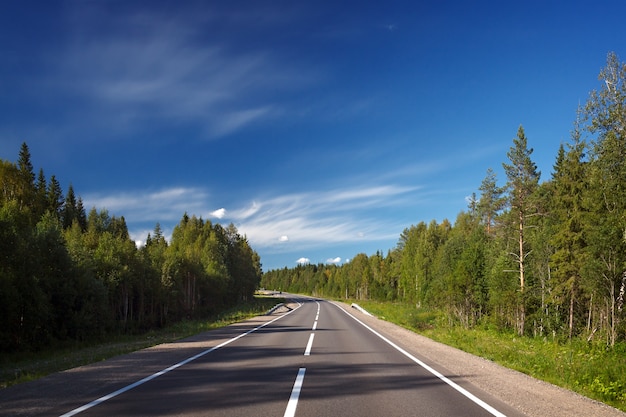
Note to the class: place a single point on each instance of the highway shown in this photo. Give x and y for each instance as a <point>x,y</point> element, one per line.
<point>317,359</point>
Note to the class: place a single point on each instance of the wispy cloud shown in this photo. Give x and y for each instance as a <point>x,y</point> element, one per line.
<point>281,223</point>
<point>148,66</point>
<point>313,219</point>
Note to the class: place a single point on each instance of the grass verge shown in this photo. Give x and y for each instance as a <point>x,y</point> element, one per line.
<point>590,369</point>
<point>21,367</point>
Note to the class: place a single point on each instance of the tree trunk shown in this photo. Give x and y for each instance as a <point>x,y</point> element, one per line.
<point>571,312</point>
<point>522,306</point>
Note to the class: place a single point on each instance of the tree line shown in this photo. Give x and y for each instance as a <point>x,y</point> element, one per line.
<point>66,274</point>
<point>538,258</point>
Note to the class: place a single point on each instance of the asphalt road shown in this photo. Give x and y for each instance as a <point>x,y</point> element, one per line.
<point>317,359</point>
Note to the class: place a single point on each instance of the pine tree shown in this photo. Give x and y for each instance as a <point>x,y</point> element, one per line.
<point>523,179</point>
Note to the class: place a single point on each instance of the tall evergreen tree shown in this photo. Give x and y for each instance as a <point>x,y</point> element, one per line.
<point>54,197</point>
<point>523,179</point>
<point>41,197</point>
<point>27,175</point>
<point>25,166</point>
<point>569,187</point>
<point>81,215</point>
<point>491,200</point>
<point>69,212</point>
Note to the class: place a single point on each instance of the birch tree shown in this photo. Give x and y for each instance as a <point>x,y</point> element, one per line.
<point>606,117</point>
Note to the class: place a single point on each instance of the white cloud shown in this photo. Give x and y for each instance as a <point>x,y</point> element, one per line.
<point>293,222</point>
<point>246,212</point>
<point>315,219</point>
<point>219,213</point>
<point>303,261</point>
<point>333,260</point>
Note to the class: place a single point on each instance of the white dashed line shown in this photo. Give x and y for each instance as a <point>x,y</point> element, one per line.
<point>295,394</point>
<point>166,370</point>
<point>309,345</point>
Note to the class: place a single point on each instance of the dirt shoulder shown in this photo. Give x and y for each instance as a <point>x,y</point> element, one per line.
<point>530,396</point>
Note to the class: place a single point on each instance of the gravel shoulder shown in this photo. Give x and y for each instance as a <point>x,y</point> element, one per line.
<point>530,396</point>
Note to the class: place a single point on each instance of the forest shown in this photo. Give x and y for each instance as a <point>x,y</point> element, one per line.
<point>69,275</point>
<point>537,258</point>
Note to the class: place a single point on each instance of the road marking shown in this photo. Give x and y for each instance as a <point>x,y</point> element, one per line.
<point>307,351</point>
<point>171,368</point>
<point>460,389</point>
<point>295,394</point>
<point>317,316</point>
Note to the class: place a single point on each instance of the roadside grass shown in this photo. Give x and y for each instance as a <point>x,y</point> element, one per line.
<point>590,369</point>
<point>21,367</point>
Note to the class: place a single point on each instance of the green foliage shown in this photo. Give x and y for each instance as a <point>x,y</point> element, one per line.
<point>68,276</point>
<point>587,368</point>
<point>22,366</point>
<point>544,259</point>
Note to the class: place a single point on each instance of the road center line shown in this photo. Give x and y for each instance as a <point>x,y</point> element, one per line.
<point>171,368</point>
<point>295,394</point>
<point>307,352</point>
<point>457,387</point>
<point>314,325</point>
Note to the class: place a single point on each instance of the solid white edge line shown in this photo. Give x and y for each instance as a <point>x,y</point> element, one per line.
<point>171,368</point>
<point>295,394</point>
<point>457,387</point>
<point>309,345</point>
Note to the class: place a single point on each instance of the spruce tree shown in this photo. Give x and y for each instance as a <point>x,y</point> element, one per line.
<point>69,212</point>
<point>569,186</point>
<point>54,197</point>
<point>27,177</point>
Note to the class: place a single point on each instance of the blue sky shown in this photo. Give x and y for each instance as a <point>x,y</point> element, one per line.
<point>320,129</point>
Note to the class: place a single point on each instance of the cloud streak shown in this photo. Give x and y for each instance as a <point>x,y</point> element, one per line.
<point>150,66</point>
<point>281,223</point>
<point>315,219</point>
